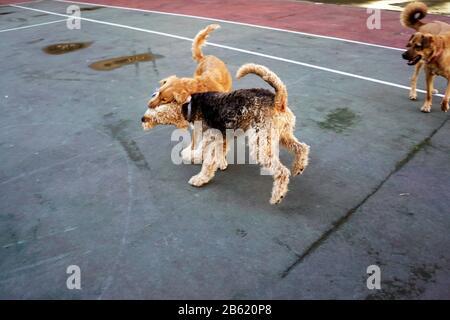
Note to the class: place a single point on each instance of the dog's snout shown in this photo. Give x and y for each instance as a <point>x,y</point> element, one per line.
<point>143,119</point>
<point>405,54</point>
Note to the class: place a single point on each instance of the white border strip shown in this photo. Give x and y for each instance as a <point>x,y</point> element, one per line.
<point>348,74</point>
<point>33,25</point>
<point>237,23</point>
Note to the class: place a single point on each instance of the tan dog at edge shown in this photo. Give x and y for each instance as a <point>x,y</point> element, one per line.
<point>411,17</point>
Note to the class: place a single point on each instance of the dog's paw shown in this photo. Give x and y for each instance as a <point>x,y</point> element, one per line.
<point>276,200</point>
<point>301,162</point>
<point>280,187</point>
<point>223,165</point>
<point>198,180</point>
<point>186,155</point>
<point>426,108</point>
<point>444,106</point>
<point>413,96</point>
<point>298,169</point>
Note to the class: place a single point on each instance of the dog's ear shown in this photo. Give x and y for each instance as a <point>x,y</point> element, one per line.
<point>165,80</point>
<point>181,97</point>
<point>408,44</point>
<point>427,40</point>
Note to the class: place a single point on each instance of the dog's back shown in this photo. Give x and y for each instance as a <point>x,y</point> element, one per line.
<point>234,110</point>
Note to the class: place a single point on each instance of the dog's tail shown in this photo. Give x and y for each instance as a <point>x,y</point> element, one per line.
<point>271,78</point>
<point>412,14</point>
<point>200,40</point>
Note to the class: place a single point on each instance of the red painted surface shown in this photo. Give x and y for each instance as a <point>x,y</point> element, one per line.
<point>323,19</point>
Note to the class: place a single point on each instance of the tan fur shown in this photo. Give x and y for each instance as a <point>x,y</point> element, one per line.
<point>411,17</point>
<point>168,114</point>
<point>434,51</point>
<point>200,40</point>
<point>211,74</point>
<point>271,78</point>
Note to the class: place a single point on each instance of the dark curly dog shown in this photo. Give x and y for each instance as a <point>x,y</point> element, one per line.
<point>259,112</point>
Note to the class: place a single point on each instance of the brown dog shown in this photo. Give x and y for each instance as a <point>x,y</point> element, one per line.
<point>411,17</point>
<point>211,74</point>
<point>434,52</point>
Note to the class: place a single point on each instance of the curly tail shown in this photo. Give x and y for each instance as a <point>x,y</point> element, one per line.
<point>412,14</point>
<point>200,40</point>
<point>271,78</point>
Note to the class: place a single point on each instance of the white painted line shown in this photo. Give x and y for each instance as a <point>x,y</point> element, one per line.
<point>237,23</point>
<point>308,65</point>
<point>32,25</point>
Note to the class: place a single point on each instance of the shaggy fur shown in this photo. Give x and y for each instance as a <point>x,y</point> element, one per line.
<point>434,52</point>
<point>263,114</point>
<point>411,17</point>
<point>211,74</point>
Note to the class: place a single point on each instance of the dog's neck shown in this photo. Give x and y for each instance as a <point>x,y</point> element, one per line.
<point>437,54</point>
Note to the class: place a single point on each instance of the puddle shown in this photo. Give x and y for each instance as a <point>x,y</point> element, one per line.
<point>61,48</point>
<point>114,63</point>
<point>339,120</point>
<point>90,8</point>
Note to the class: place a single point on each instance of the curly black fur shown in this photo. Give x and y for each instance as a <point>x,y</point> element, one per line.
<point>239,109</point>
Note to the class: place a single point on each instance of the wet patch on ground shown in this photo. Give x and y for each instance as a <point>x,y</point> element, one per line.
<point>90,8</point>
<point>114,63</point>
<point>62,48</point>
<point>339,120</point>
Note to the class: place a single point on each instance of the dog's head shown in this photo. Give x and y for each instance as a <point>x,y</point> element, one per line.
<point>170,114</point>
<point>421,46</point>
<point>172,89</point>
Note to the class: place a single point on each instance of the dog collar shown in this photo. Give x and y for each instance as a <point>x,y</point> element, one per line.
<point>189,111</point>
<point>436,56</point>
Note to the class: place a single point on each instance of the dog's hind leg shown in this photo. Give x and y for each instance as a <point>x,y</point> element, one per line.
<point>213,145</point>
<point>413,92</point>
<point>444,103</point>
<point>263,150</point>
<point>300,151</point>
<point>223,163</point>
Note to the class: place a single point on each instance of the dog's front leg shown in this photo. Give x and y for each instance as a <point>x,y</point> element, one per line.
<point>413,92</point>
<point>193,153</point>
<point>428,99</point>
<point>213,151</point>
<point>444,103</point>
